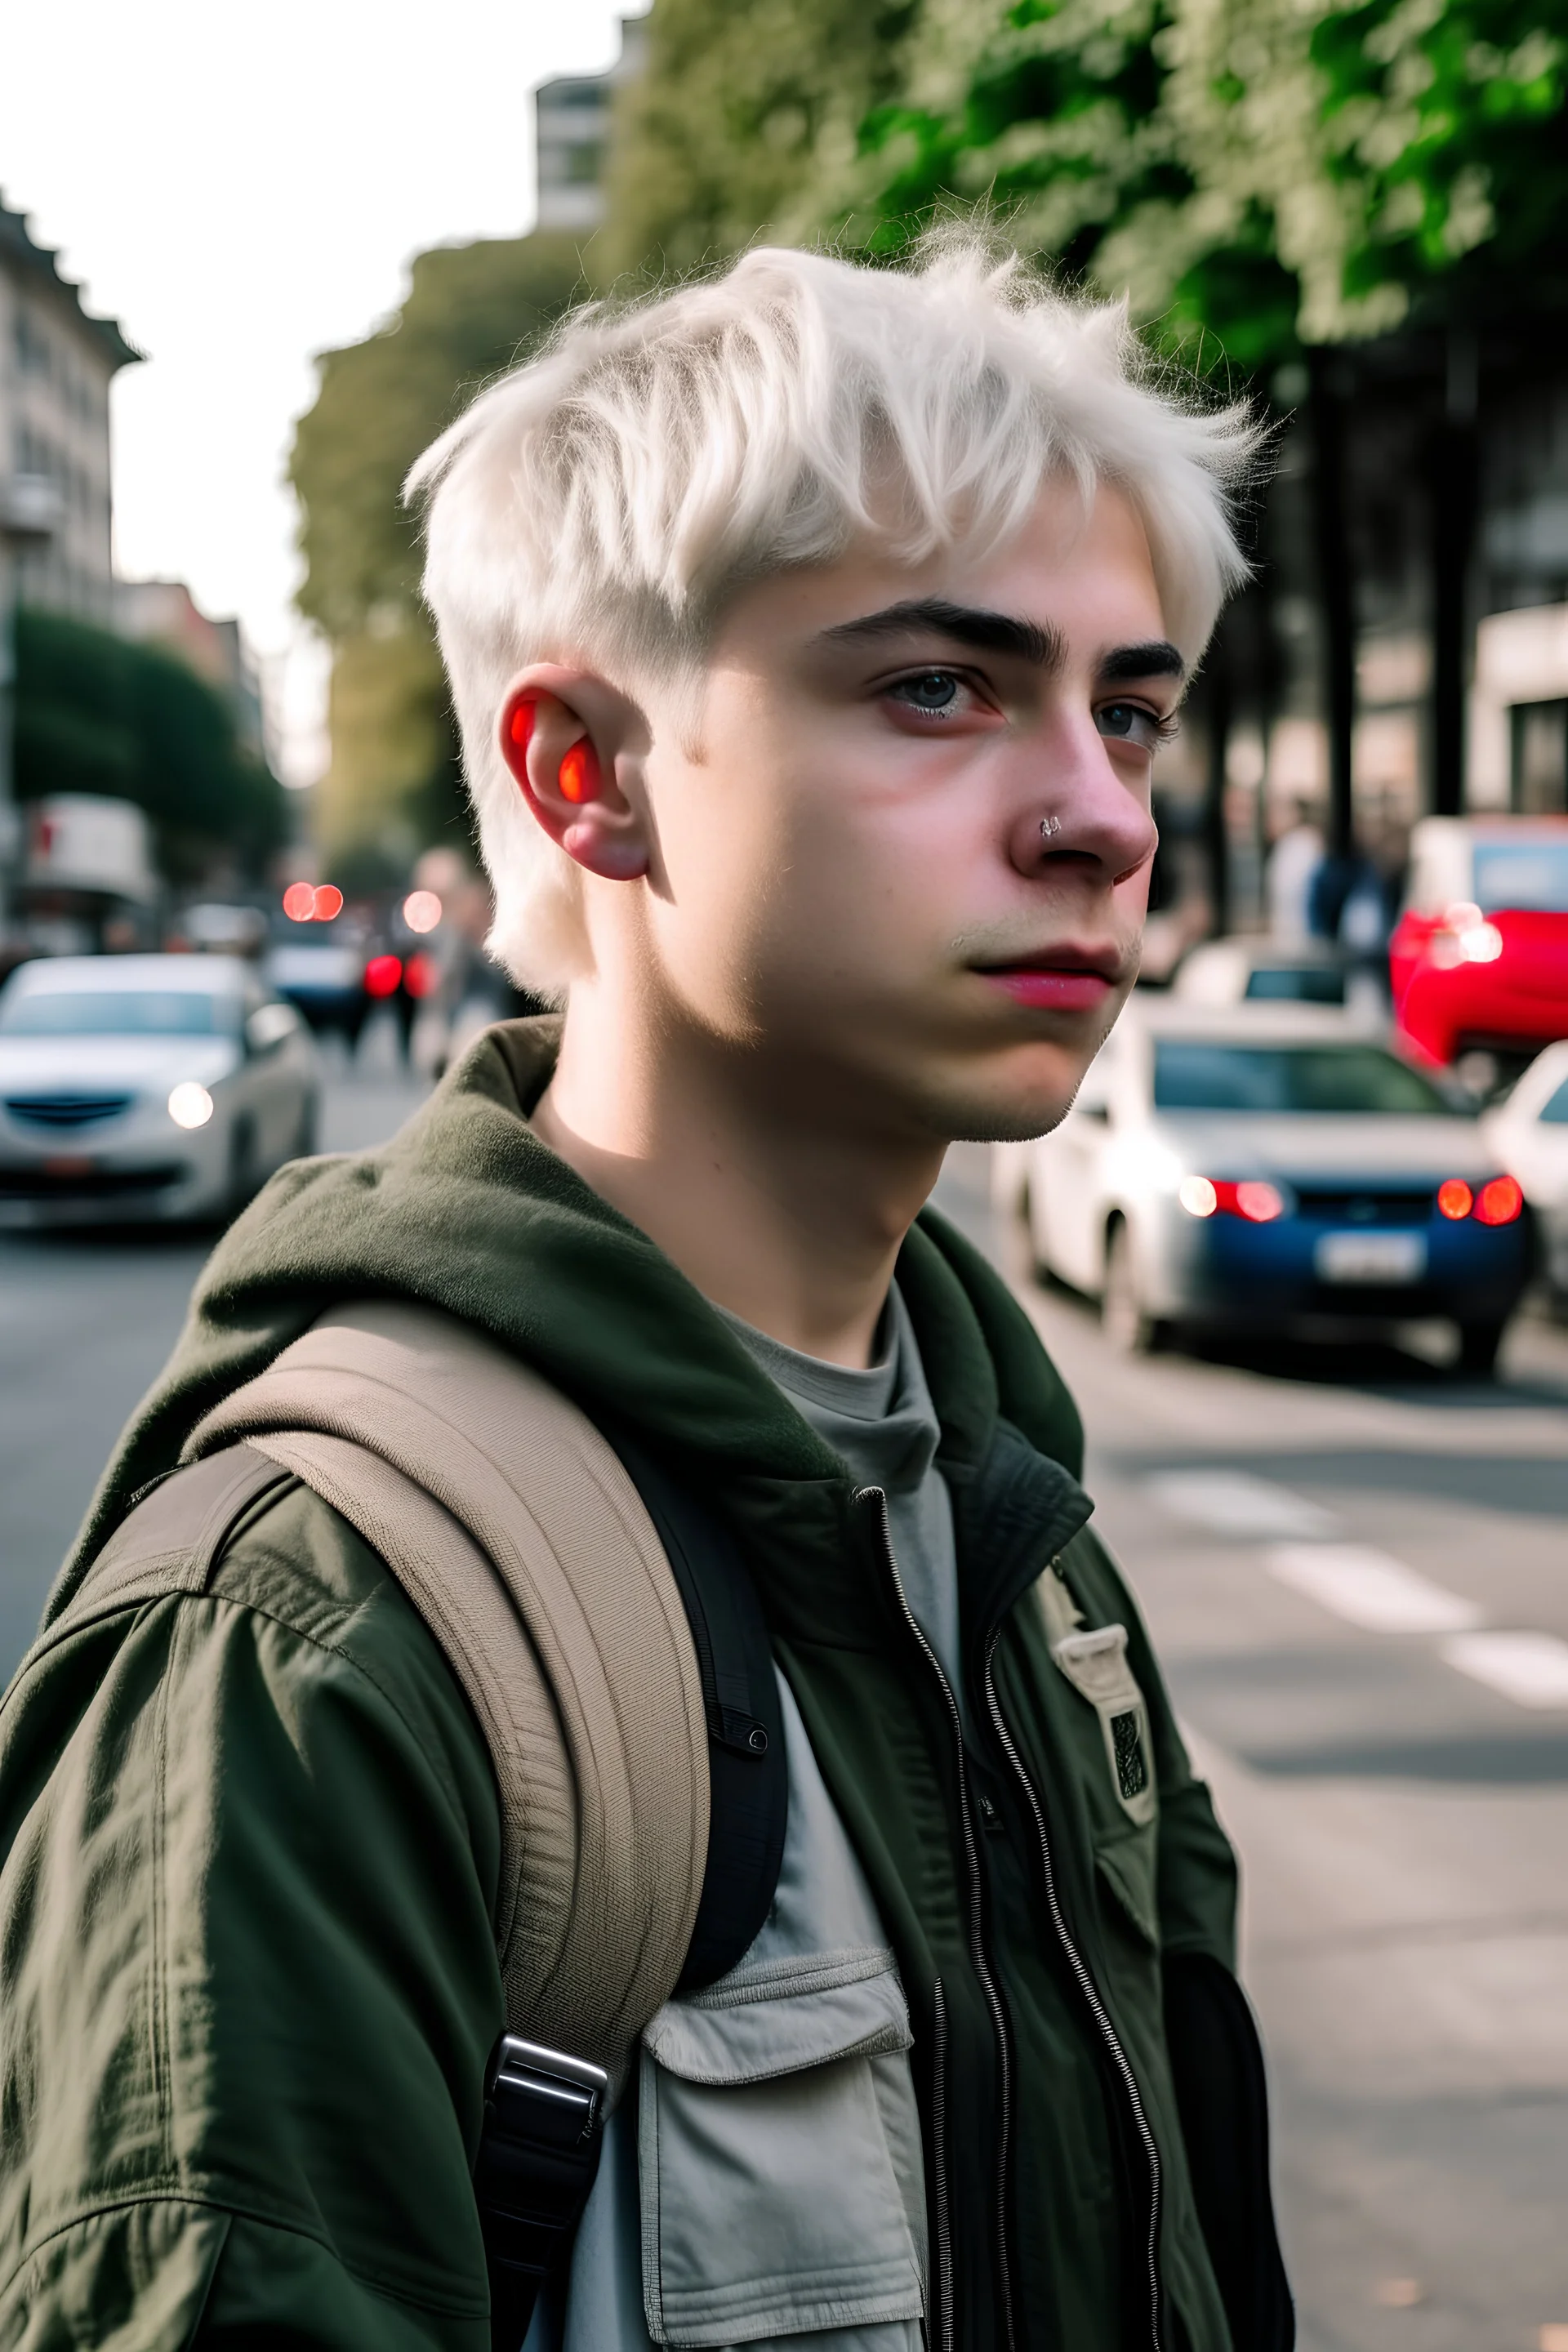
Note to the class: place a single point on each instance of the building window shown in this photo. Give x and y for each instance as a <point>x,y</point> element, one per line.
<point>32,346</point>
<point>1539,758</point>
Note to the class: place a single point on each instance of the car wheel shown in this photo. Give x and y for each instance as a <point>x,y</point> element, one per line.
<point>1126,1322</point>
<point>1478,1345</point>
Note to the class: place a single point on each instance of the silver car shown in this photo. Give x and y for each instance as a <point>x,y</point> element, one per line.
<point>1529,1133</point>
<point>146,1087</point>
<point>1270,1167</point>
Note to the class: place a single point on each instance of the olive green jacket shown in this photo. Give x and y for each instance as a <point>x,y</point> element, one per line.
<point>249,1839</point>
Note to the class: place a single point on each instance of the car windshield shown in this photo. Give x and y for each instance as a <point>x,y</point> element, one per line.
<point>1296,983</point>
<point>118,1012</point>
<point>1524,874</point>
<point>1555,1110</point>
<point>1195,1073</point>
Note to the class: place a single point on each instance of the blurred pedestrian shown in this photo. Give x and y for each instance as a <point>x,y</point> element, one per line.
<point>1290,875</point>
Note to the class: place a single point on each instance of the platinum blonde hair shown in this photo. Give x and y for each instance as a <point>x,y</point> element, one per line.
<point>605,502</point>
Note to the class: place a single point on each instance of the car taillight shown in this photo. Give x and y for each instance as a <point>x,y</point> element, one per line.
<point>307,902</point>
<point>1203,1196</point>
<point>1499,1203</point>
<point>419,976</point>
<point>382,974</point>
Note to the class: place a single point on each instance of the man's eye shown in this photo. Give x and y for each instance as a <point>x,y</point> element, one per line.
<point>1129,722</point>
<point>934,691</point>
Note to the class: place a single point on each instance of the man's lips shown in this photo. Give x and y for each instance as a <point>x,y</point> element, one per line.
<point>1068,980</point>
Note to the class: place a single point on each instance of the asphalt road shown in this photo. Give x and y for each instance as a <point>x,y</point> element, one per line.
<point>1356,1570</point>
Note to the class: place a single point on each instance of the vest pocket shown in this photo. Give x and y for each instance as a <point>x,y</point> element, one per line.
<point>778,2160</point>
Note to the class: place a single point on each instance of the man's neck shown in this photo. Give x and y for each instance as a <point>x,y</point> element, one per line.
<point>738,1172</point>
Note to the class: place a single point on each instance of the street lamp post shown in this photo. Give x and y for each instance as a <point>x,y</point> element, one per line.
<point>30,513</point>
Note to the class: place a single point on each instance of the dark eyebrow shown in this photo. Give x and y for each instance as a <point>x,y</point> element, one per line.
<point>966,625</point>
<point>1158,659</point>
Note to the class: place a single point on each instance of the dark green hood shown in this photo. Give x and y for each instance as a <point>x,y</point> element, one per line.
<point>468,1210</point>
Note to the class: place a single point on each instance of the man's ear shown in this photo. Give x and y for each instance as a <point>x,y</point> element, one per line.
<point>575,745</point>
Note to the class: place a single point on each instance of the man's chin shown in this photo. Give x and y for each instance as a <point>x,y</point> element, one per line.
<point>999,1123</point>
<point>971,1109</point>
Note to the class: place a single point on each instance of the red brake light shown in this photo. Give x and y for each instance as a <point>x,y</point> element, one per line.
<point>1499,1203</point>
<point>382,974</point>
<point>328,902</point>
<point>299,902</point>
<point>1455,1198</point>
<point>1259,1203</point>
<point>419,976</point>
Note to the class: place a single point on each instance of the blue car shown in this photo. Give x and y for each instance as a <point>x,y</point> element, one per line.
<point>1275,1168</point>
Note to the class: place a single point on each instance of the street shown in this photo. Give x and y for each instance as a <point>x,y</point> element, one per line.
<point>1354,1567</point>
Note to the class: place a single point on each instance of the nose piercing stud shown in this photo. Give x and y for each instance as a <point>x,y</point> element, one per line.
<point>1049,825</point>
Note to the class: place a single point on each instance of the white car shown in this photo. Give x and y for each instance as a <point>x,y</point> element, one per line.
<point>1260,972</point>
<point>1529,1133</point>
<point>1262,1166</point>
<point>146,1086</point>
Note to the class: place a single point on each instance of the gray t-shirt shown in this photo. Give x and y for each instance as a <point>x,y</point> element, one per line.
<point>883,1425</point>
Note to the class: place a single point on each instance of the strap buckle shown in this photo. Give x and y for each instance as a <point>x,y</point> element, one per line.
<point>539,2153</point>
<point>544,2096</point>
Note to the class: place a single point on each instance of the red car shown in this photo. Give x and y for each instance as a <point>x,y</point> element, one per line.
<point>1479,959</point>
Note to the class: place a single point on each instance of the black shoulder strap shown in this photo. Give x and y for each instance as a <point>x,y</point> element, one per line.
<point>531,2183</point>
<point>748,1771</point>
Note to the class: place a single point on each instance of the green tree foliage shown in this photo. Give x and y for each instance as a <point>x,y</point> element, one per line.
<point>746,109</point>
<point>1278,173</point>
<point>470,312</point>
<point>95,714</point>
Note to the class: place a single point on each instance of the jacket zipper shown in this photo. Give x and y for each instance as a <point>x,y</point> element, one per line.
<point>938,2160</point>
<point>1087,1987</point>
<point>976,1939</point>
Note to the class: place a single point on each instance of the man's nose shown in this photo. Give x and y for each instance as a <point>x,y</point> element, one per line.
<point>1070,801</point>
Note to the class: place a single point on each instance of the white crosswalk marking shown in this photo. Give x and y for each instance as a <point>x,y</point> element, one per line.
<point>1531,1669</point>
<point>1235,1502</point>
<point>1371,1588</point>
<point>1366,1587</point>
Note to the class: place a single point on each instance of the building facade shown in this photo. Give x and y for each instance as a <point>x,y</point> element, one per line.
<point>165,612</point>
<point>571,122</point>
<point>56,362</point>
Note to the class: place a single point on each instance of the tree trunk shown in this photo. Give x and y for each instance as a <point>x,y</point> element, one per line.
<point>1336,589</point>
<point>1216,841</point>
<point>1453,487</point>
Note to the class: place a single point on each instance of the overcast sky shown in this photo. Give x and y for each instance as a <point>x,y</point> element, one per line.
<point>242,186</point>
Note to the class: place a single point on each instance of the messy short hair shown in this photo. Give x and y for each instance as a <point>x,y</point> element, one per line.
<point>605,501</point>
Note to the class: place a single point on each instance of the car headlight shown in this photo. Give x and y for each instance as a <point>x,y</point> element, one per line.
<point>190,1105</point>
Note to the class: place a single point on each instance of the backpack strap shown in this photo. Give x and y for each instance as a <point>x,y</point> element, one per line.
<point>619,1668</point>
<point>520,1537</point>
<point>172,1537</point>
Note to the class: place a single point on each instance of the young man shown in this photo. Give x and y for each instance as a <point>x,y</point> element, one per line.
<point>812,631</point>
